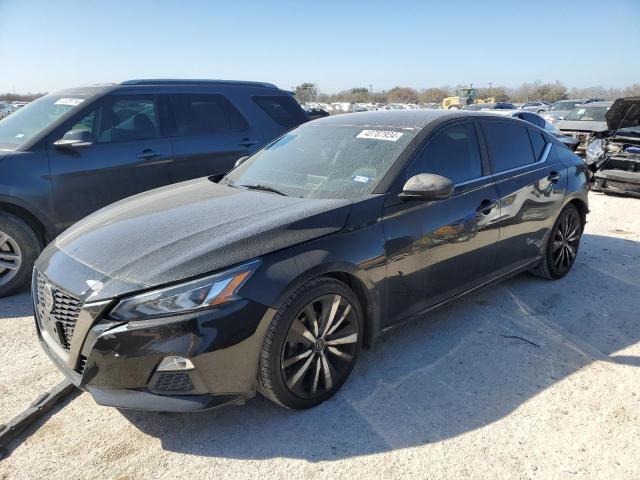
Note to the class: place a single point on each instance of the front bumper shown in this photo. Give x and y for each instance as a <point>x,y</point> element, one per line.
<point>617,181</point>
<point>116,362</point>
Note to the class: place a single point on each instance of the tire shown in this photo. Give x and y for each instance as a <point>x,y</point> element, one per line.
<point>19,247</point>
<point>551,267</point>
<point>279,377</point>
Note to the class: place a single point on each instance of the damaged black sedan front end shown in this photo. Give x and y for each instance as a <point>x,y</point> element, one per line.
<point>615,159</point>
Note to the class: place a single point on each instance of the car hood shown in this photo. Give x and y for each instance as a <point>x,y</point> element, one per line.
<point>193,228</point>
<point>624,113</point>
<point>582,125</point>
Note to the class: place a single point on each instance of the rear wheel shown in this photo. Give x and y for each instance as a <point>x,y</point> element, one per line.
<point>562,245</point>
<point>19,248</point>
<point>311,345</point>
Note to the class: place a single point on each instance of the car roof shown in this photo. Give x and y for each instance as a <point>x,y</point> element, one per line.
<point>399,118</point>
<point>165,82</point>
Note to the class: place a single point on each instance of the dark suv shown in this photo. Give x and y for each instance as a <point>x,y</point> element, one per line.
<point>72,152</point>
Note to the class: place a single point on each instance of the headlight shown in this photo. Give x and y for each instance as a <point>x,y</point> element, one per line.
<point>595,150</point>
<point>187,297</point>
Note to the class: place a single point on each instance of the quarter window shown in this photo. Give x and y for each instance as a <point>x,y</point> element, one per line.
<point>538,142</point>
<point>283,110</point>
<point>198,114</point>
<point>508,144</point>
<point>452,153</point>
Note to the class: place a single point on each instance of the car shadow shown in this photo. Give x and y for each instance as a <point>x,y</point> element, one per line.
<point>16,306</point>
<point>460,368</point>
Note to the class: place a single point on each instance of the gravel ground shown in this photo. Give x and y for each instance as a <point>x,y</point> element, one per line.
<point>528,379</point>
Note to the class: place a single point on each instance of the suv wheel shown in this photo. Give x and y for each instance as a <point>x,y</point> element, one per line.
<point>311,345</point>
<point>562,245</point>
<point>19,248</point>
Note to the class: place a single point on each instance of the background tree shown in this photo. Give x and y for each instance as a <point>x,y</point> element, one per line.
<point>632,91</point>
<point>402,95</point>
<point>432,95</point>
<point>306,92</point>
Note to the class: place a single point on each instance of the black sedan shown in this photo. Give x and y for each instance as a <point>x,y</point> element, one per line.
<point>198,294</point>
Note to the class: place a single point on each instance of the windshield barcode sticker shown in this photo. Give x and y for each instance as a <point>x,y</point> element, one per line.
<point>380,135</point>
<point>69,101</point>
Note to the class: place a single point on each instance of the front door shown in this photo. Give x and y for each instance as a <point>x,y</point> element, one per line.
<point>436,249</point>
<point>128,155</point>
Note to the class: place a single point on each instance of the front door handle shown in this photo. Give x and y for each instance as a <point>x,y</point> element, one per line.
<point>553,177</point>
<point>486,206</point>
<point>247,142</point>
<point>148,153</point>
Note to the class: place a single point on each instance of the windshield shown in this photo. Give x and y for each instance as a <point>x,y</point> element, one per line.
<point>558,106</point>
<point>592,114</point>
<point>324,161</point>
<point>21,126</point>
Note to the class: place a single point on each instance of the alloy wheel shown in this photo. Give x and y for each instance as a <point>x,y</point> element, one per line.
<point>565,241</point>
<point>320,346</point>
<point>10,258</point>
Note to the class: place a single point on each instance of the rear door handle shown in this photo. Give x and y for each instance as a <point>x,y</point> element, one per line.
<point>247,142</point>
<point>553,177</point>
<point>486,206</point>
<point>148,153</point>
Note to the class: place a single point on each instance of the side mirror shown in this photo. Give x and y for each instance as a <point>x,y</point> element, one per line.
<point>75,139</point>
<point>240,161</point>
<point>427,186</point>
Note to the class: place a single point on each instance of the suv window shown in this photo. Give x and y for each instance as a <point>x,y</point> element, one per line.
<point>508,144</point>
<point>197,114</point>
<point>283,110</point>
<point>122,119</point>
<point>452,153</point>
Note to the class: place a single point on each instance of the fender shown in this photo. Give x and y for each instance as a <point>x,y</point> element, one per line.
<point>20,205</point>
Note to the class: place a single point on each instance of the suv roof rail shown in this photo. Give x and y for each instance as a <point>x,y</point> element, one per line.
<point>179,81</point>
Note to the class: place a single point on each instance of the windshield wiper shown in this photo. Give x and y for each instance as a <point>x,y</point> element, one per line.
<point>264,188</point>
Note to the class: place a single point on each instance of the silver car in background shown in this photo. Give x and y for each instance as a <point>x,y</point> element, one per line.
<point>585,122</point>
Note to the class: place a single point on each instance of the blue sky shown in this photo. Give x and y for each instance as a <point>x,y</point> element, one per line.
<point>47,45</point>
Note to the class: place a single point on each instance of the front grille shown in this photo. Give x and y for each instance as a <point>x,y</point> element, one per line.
<point>173,382</point>
<point>57,308</point>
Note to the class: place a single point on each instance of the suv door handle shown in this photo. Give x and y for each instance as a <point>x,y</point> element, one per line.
<point>486,206</point>
<point>246,142</point>
<point>553,177</point>
<point>148,153</point>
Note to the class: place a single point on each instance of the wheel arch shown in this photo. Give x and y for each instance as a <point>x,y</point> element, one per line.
<point>356,279</point>
<point>43,231</point>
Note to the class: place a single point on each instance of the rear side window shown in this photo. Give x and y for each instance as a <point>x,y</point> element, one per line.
<point>452,153</point>
<point>508,144</point>
<point>283,110</point>
<point>198,114</point>
<point>538,142</point>
<point>533,119</point>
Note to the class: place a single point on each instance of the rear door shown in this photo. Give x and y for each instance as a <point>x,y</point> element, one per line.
<point>439,248</point>
<point>531,183</point>
<point>129,155</point>
<point>209,135</point>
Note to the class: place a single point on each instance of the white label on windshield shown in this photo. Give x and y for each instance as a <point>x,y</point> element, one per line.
<point>69,101</point>
<point>380,135</point>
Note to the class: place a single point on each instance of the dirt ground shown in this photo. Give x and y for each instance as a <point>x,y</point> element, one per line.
<point>527,379</point>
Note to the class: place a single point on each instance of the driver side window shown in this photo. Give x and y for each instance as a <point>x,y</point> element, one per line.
<point>453,153</point>
<point>122,119</point>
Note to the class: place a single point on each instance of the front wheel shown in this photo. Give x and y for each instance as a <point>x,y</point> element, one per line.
<point>562,245</point>
<point>311,345</point>
<point>19,248</point>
